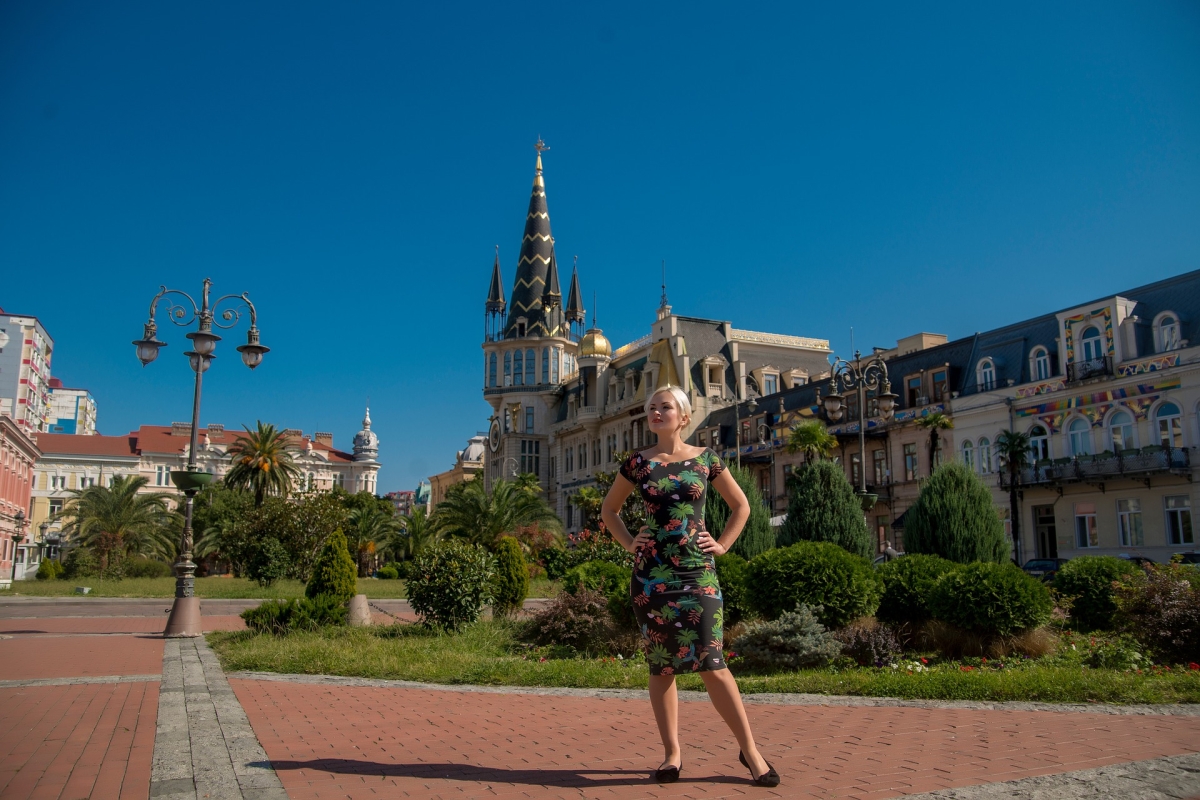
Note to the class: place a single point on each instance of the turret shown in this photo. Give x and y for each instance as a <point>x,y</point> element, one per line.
<point>494,306</point>
<point>366,443</point>
<point>525,315</point>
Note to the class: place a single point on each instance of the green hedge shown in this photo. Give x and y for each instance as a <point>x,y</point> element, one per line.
<point>814,574</point>
<point>1088,580</point>
<point>450,582</point>
<point>284,616</point>
<point>991,599</point>
<point>733,573</point>
<point>907,583</point>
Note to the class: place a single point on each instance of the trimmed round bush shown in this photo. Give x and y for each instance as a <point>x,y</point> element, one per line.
<point>1089,580</point>
<point>335,574</point>
<point>954,517</point>
<point>387,573</point>
<point>597,576</point>
<point>49,570</point>
<point>814,574</point>
<point>907,582</point>
<point>450,582</point>
<point>990,599</point>
<point>512,577</point>
<point>733,573</point>
<point>142,567</point>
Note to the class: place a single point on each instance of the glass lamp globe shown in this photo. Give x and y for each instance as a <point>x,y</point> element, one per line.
<point>199,362</point>
<point>204,342</point>
<point>252,352</point>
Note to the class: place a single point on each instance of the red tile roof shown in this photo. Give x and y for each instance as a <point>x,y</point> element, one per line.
<point>72,444</point>
<point>158,439</point>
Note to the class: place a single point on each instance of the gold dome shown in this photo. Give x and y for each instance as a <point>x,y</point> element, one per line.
<point>594,343</point>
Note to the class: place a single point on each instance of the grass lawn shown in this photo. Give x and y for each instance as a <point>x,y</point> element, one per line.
<point>486,653</point>
<point>220,588</point>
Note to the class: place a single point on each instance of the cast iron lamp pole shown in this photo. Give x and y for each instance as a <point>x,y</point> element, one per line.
<point>860,376</point>
<point>765,433</point>
<point>185,611</point>
<point>752,406</point>
<point>19,519</point>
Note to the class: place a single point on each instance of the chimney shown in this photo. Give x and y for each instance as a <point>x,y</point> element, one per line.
<point>323,438</point>
<point>181,429</point>
<point>216,430</point>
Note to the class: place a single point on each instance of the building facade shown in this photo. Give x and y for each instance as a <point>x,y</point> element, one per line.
<point>18,455</point>
<point>26,350</point>
<point>565,402</point>
<point>71,410</point>
<point>468,463</point>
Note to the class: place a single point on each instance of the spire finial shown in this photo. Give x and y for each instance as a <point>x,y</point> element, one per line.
<point>663,302</point>
<point>540,146</point>
<point>593,308</point>
<point>367,416</point>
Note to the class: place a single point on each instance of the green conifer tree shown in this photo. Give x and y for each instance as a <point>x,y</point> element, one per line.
<point>954,517</point>
<point>512,577</point>
<point>822,507</point>
<point>334,574</point>
<point>758,536</point>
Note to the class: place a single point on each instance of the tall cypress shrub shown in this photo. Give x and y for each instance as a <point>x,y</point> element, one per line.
<point>954,517</point>
<point>512,577</point>
<point>335,574</point>
<point>822,507</point>
<point>758,536</point>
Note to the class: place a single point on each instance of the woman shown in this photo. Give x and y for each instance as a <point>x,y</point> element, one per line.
<point>676,597</point>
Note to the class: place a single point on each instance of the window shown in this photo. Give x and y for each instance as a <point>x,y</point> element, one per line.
<point>1091,344</point>
<point>545,365</point>
<point>1080,434</point>
<point>745,431</point>
<point>1179,520</point>
<point>913,386</point>
<point>553,474</point>
<point>1129,522</point>
<point>56,505</point>
<point>162,475</point>
<point>703,438</point>
<point>1121,428</point>
<point>570,513</point>
<point>60,482</point>
<point>570,458</point>
<point>1168,333</point>
<point>770,384</point>
<point>987,375</point>
<point>528,419</point>
<point>492,370</point>
<point>508,369</point>
<point>1085,525</point>
<point>1170,427</point>
<point>910,462</point>
<point>531,456</point>
<point>985,457</point>
<point>518,368</point>
<point>855,469</point>
<point>941,386</point>
<point>530,367</point>
<point>596,452</point>
<point>84,483</point>
<point>968,454</point>
<point>1041,364</point>
<point>1039,443</point>
<point>554,365</point>
<point>880,459</point>
<point>583,456</point>
<point>312,481</point>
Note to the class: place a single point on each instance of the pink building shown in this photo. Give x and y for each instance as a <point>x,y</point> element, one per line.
<point>18,454</point>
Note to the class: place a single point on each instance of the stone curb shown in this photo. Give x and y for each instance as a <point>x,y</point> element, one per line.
<point>765,698</point>
<point>81,681</point>
<point>1174,777</point>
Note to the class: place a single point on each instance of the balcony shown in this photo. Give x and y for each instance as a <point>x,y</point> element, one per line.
<point>1090,368</point>
<point>1136,464</point>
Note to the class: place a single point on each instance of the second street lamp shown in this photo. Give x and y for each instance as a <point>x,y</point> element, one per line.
<point>185,611</point>
<point>860,376</point>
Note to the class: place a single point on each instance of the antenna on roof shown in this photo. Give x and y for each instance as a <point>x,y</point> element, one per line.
<point>593,308</point>
<point>663,302</point>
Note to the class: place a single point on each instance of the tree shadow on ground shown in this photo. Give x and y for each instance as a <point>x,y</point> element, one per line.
<point>563,778</point>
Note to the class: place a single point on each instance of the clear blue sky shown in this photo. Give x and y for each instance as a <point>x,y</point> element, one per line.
<point>803,168</point>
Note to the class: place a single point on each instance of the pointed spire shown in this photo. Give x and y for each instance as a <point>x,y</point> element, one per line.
<point>495,300</point>
<point>534,261</point>
<point>367,419</point>
<point>552,296</point>
<point>575,312</point>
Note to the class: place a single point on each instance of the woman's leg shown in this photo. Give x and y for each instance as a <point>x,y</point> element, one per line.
<point>723,690</point>
<point>665,701</point>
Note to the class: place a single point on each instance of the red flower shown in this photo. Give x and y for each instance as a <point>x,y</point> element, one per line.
<point>1194,666</point>
<point>967,669</point>
<point>924,660</point>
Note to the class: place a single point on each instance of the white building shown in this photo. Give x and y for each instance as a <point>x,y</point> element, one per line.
<point>25,352</point>
<point>71,410</point>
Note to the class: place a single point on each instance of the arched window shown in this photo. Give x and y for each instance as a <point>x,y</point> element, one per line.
<point>492,370</point>
<point>1091,344</point>
<point>987,375</point>
<point>530,367</point>
<point>1170,425</point>
<point>1167,335</point>
<point>507,369</point>
<point>1039,443</point>
<point>985,456</point>
<point>545,365</point>
<point>1041,364</point>
<point>1080,434</point>
<point>968,455</point>
<point>518,368</point>
<point>554,365</point>
<point>1120,426</point>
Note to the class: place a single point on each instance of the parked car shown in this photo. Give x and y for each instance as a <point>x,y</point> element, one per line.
<point>1043,568</point>
<point>1188,558</point>
<point>1141,561</point>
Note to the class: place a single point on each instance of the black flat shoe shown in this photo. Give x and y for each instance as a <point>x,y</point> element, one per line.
<point>769,778</point>
<point>667,774</point>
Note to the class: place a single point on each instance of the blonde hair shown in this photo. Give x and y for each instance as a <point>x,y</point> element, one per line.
<point>681,400</point>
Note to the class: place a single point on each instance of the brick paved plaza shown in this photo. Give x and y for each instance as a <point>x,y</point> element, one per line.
<point>100,706</point>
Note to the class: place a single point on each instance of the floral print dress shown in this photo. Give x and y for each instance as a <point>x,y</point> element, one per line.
<point>676,596</point>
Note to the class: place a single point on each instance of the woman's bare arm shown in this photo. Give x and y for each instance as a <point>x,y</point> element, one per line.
<point>610,512</point>
<point>739,512</point>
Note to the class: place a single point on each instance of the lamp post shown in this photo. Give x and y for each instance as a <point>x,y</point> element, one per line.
<point>752,406</point>
<point>19,519</point>
<point>43,528</point>
<point>860,376</point>
<point>182,310</point>
<point>764,433</point>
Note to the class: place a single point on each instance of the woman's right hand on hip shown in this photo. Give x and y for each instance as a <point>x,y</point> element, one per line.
<point>643,538</point>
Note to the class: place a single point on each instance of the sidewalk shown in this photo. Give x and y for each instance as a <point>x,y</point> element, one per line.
<point>102,707</point>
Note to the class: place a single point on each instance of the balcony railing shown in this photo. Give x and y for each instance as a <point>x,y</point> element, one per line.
<point>1090,368</point>
<point>1106,466</point>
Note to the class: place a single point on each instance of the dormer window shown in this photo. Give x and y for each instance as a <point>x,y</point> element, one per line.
<point>770,383</point>
<point>1040,367</point>
<point>521,327</point>
<point>1091,344</point>
<point>986,375</point>
<point>1166,333</point>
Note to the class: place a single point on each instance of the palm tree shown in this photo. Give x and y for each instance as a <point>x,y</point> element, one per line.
<point>414,535</point>
<point>366,529</point>
<point>1013,449</point>
<point>261,464</point>
<point>937,421</point>
<point>117,521</point>
<point>812,439</point>
<point>472,512</point>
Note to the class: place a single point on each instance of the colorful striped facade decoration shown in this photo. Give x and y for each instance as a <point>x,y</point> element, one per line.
<point>1069,330</point>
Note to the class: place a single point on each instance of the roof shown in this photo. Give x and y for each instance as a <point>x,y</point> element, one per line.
<point>158,439</point>
<point>62,444</point>
<point>533,263</point>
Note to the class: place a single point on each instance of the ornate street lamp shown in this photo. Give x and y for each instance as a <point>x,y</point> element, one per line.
<point>185,611</point>
<point>19,519</point>
<point>860,376</point>
<point>752,406</point>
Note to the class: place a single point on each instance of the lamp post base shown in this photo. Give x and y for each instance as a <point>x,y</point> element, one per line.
<point>184,622</point>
